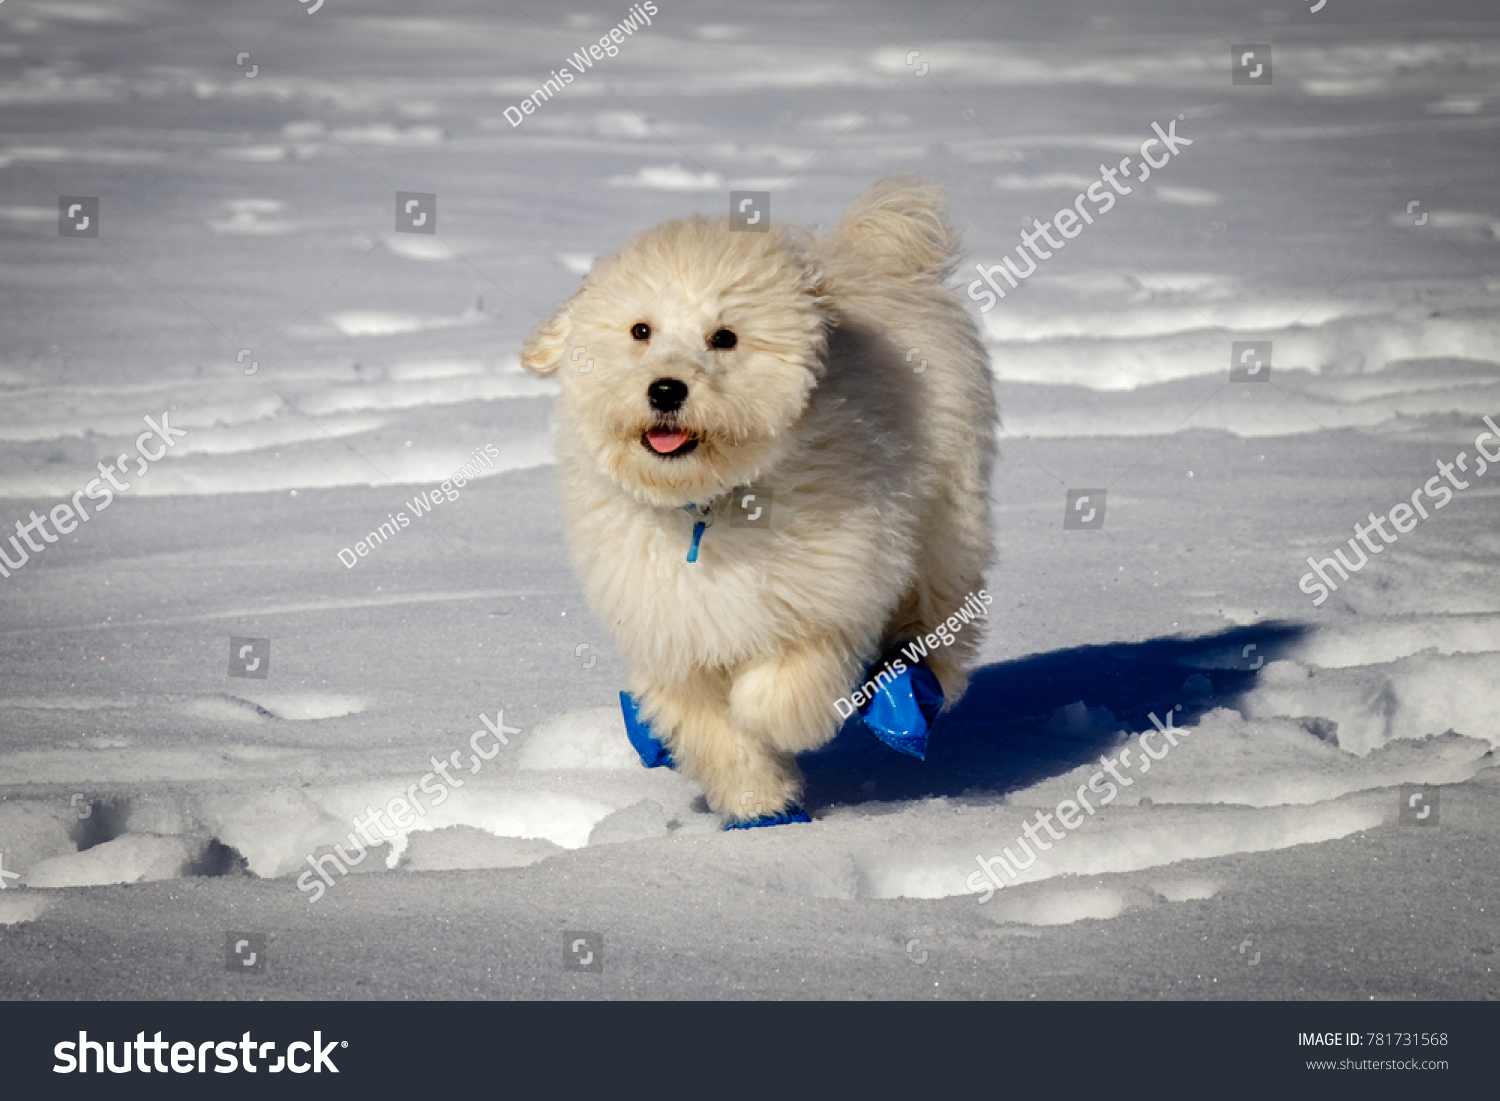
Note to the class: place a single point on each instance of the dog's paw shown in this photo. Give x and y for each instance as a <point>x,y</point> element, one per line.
<point>762,783</point>
<point>652,751</point>
<point>953,677</point>
<point>782,818</point>
<point>776,791</point>
<point>788,701</point>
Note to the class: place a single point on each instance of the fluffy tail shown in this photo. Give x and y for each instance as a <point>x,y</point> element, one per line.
<point>899,225</point>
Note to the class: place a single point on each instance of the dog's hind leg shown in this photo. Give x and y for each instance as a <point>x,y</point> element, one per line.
<point>946,585</point>
<point>742,777</point>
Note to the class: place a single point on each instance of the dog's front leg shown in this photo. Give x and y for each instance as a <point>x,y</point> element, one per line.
<point>787,699</point>
<point>741,776</point>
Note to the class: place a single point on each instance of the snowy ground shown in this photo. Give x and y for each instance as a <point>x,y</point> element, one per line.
<point>150,803</point>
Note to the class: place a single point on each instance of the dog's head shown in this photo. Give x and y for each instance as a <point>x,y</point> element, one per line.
<point>687,358</point>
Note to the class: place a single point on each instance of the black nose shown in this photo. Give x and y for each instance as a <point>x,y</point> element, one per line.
<point>667,394</point>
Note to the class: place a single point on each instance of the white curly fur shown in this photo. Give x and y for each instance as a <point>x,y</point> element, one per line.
<point>878,473</point>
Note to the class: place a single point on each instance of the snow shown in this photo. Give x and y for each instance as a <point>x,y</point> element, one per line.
<point>247,225</point>
<point>135,858</point>
<point>580,739</point>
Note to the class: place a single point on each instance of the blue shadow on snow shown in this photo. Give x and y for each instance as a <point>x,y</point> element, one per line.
<point>993,741</point>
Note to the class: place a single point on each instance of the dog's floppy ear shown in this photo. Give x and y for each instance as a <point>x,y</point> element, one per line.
<point>799,243</point>
<point>542,354</point>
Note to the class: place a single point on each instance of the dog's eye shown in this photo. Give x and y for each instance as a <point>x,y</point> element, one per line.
<point>722,339</point>
<point>641,331</point>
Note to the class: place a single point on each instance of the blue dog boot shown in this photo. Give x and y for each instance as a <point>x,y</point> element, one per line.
<point>781,818</point>
<point>904,709</point>
<point>653,753</point>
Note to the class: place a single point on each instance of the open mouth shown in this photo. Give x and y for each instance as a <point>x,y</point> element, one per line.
<point>670,443</point>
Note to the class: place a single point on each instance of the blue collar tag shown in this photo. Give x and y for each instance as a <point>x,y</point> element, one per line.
<point>698,529</point>
<point>705,514</point>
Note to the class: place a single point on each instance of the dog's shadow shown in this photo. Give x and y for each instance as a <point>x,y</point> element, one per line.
<point>1002,736</point>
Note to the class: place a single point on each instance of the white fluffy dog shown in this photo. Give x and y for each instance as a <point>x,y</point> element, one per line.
<point>848,386</point>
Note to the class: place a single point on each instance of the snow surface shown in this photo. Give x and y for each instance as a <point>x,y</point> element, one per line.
<point>150,802</point>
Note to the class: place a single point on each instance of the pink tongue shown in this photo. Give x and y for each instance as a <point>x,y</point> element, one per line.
<point>664,441</point>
